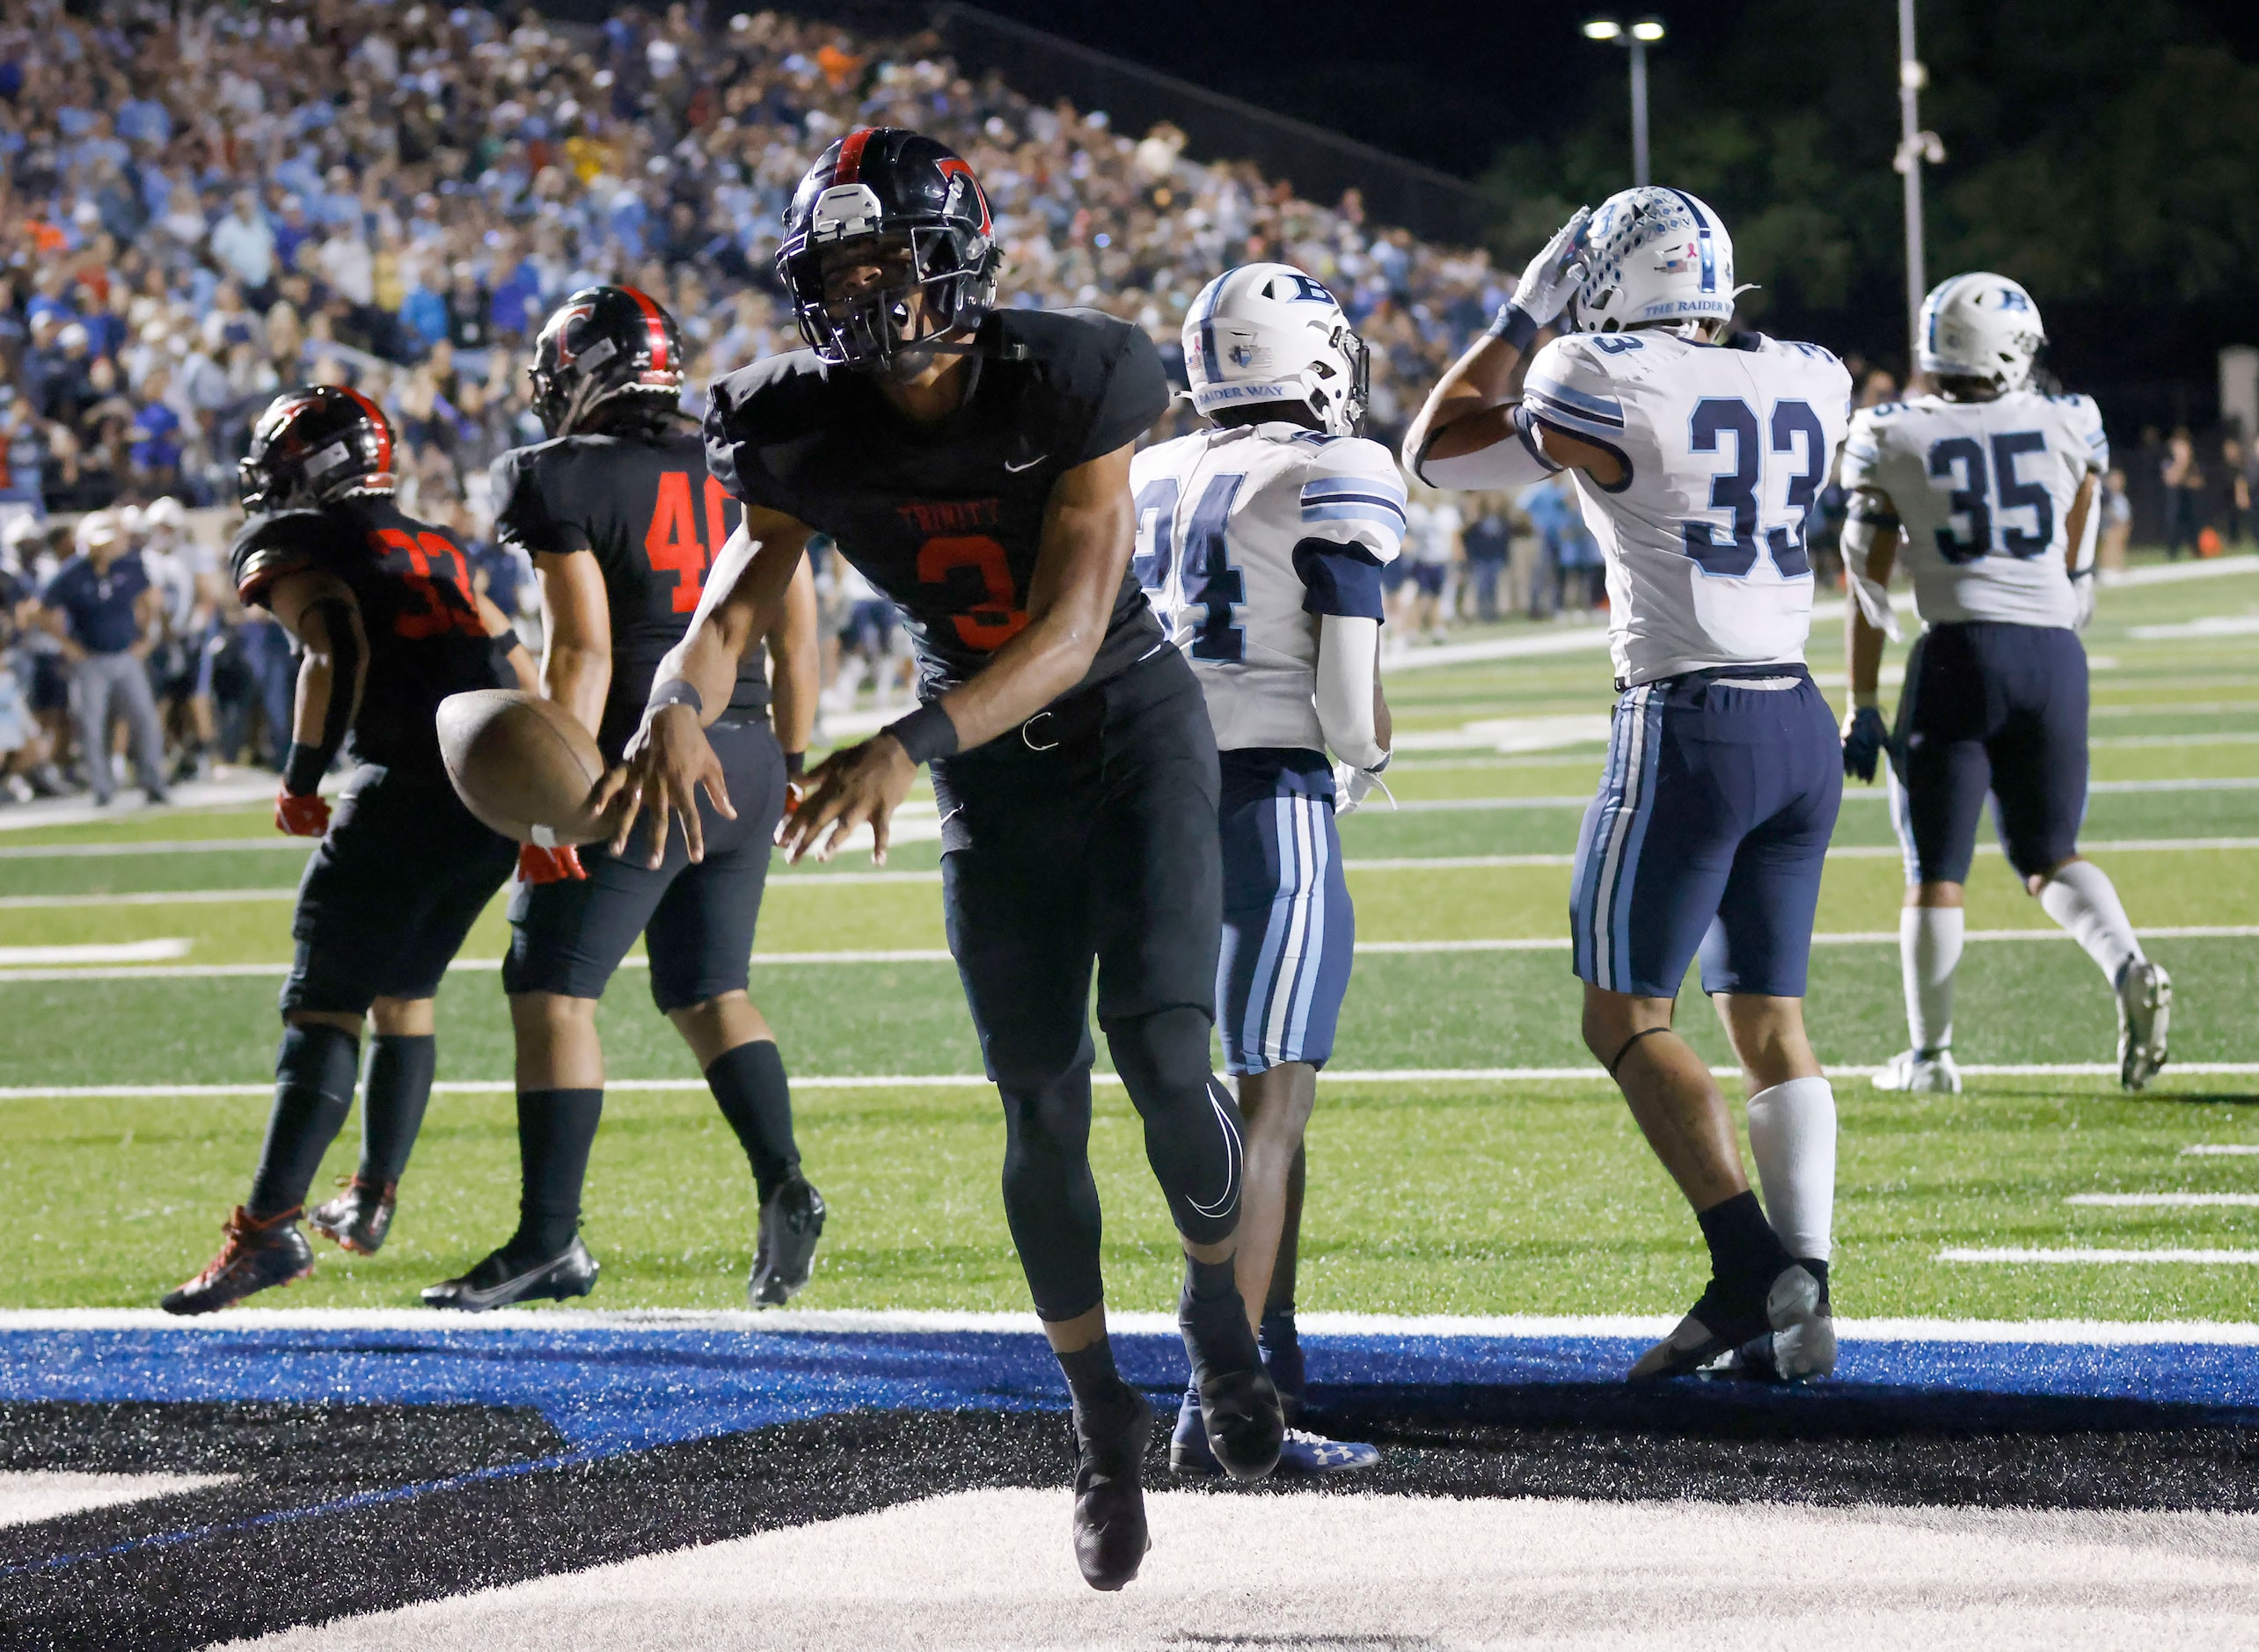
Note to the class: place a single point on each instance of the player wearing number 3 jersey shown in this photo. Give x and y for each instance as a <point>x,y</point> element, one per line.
<point>391,625</point>
<point>620,518</point>
<point>1696,461</point>
<point>973,463</point>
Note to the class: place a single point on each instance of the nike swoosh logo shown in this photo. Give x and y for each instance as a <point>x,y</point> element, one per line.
<point>1031,464</point>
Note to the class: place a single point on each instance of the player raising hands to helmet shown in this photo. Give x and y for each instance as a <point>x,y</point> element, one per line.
<point>1696,461</point>
<point>391,625</point>
<point>974,464</point>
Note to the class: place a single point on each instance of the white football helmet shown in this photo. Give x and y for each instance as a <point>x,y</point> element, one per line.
<point>1653,255</point>
<point>1981,326</point>
<point>1268,333</point>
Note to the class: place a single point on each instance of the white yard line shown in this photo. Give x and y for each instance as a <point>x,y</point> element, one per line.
<point>2109,1258</point>
<point>2145,1201</point>
<point>975,1081</point>
<point>2205,1150</point>
<point>98,952</point>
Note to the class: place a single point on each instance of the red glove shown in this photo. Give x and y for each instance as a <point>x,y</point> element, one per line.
<point>536,865</point>
<point>301,816</point>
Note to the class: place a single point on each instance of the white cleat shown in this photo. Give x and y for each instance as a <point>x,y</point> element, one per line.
<point>2145,1003</point>
<point>1920,1074</point>
<point>1801,1346</point>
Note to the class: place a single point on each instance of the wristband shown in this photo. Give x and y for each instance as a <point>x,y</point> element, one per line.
<point>507,641</point>
<point>303,768</point>
<point>795,765</point>
<point>1514,326</point>
<point>1383,763</point>
<point>926,734</point>
<point>673,691</point>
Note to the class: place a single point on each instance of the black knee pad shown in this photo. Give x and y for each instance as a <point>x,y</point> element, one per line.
<point>318,1059</point>
<point>1193,1137</point>
<point>1164,1054</point>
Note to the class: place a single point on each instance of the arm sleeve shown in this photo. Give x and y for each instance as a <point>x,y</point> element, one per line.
<point>1348,652</point>
<point>1135,393</point>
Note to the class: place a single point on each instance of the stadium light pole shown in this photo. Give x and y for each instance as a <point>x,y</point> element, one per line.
<point>1916,148</point>
<point>1636,37</point>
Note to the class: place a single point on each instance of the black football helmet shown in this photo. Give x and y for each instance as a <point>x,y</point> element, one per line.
<point>889,184</point>
<point>602,343</point>
<point>314,445</point>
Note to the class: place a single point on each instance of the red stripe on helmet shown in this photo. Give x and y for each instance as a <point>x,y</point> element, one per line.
<point>383,430</point>
<point>656,321</point>
<point>849,167</point>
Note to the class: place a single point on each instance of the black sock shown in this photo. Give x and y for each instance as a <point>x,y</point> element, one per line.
<point>556,1128</point>
<point>1277,1328</point>
<point>1746,1255</point>
<point>314,1072</point>
<point>1818,1270</point>
<point>400,1069</point>
<point>757,1099</point>
<point>1208,1284</point>
<point>1091,1376</point>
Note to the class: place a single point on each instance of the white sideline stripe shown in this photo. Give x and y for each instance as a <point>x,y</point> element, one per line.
<point>2110,1258</point>
<point>938,954</point>
<point>2128,1201</point>
<point>1864,794</point>
<point>2236,1149</point>
<point>29,1495</point>
<point>972,1080</point>
<point>900,1321</point>
<point>1380,863</point>
<point>155,846</point>
<point>98,952</point>
<point>2127,742</point>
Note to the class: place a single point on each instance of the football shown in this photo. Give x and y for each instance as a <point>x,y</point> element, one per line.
<point>522,765</point>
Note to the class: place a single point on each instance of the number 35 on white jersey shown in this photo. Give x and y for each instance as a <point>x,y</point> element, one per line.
<point>1725,450</point>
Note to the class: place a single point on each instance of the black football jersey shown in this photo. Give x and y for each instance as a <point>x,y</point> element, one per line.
<point>418,610</point>
<point>945,518</point>
<point>654,520</point>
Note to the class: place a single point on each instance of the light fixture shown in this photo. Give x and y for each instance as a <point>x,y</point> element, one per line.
<point>1603,29</point>
<point>1647,29</point>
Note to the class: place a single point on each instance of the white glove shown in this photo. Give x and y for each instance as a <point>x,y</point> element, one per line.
<point>1352,785</point>
<point>1543,290</point>
<point>2083,590</point>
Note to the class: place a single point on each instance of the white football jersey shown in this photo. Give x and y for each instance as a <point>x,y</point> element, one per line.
<point>1982,492</point>
<point>1246,537</point>
<point>1727,448</point>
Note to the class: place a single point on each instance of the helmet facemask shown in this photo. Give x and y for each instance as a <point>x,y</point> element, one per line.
<point>936,281</point>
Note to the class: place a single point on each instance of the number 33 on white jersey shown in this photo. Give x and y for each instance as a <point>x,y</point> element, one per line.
<point>1725,449</point>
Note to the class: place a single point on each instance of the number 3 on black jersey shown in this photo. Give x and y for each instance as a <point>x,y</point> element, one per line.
<point>671,542</point>
<point>437,576</point>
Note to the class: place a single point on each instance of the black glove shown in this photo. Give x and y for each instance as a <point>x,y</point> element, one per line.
<point>1865,738</point>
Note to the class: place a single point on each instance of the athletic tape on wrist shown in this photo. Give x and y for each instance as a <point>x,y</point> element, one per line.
<point>926,734</point>
<point>673,691</point>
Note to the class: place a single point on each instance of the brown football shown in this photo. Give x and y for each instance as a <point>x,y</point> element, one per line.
<point>520,761</point>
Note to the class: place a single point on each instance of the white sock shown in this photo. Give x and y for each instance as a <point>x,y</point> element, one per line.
<point>2083,899</point>
<point>1929,951</point>
<point>1792,1136</point>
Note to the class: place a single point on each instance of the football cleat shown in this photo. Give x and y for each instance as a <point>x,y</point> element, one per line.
<point>358,1218</point>
<point>255,1255</point>
<point>1238,1406</point>
<point>1302,1453</point>
<point>2144,1003</point>
<point>792,1220</point>
<point>1798,1332</point>
<point>499,1280</point>
<point>1803,1351</point>
<point>1283,1358</point>
<point>1110,1532</point>
<point>1920,1072</point>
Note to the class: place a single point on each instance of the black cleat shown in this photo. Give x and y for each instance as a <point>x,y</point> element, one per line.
<point>1239,1405</point>
<point>257,1254</point>
<point>792,1220</point>
<point>1110,1533</point>
<point>358,1218</point>
<point>500,1280</point>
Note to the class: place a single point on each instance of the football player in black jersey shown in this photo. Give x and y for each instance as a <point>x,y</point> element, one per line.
<point>391,625</point>
<point>973,463</point>
<point>621,519</point>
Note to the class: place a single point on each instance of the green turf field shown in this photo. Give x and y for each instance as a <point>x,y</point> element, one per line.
<point>1452,1194</point>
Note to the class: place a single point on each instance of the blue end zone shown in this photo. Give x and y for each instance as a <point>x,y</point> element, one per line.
<point>610,1389</point>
